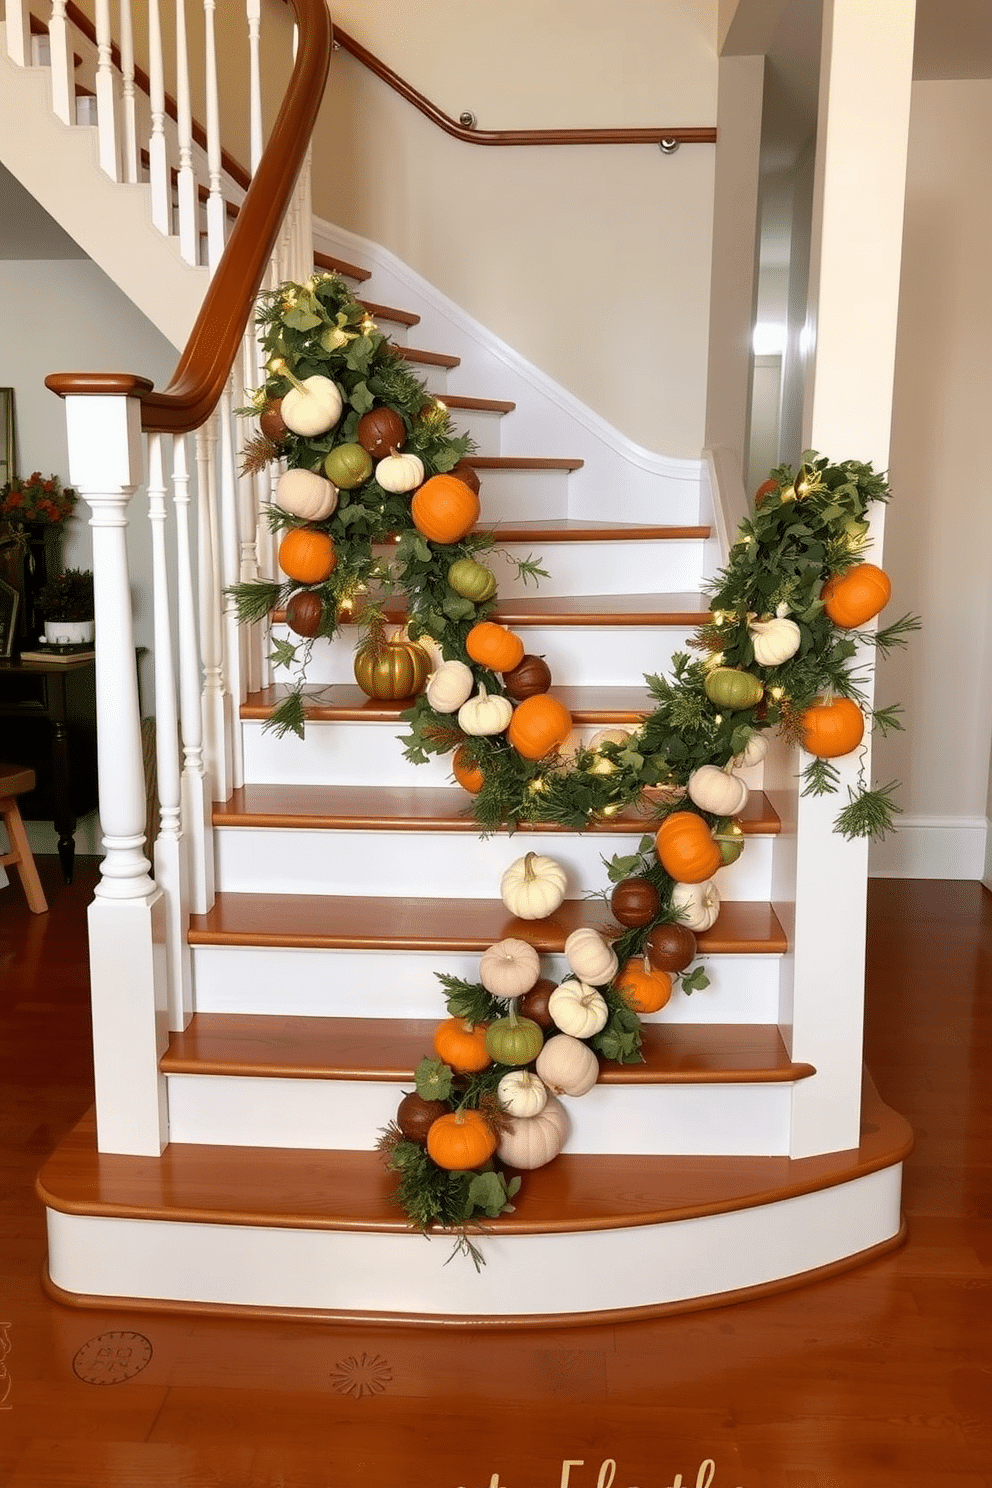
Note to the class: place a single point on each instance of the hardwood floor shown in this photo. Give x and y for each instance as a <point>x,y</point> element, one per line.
<point>881,1376</point>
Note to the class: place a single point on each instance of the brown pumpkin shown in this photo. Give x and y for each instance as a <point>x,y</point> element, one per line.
<point>462,1044</point>
<point>535,1003</point>
<point>830,729</point>
<point>415,1116</point>
<point>765,489</point>
<point>380,431</point>
<point>685,847</point>
<point>307,555</point>
<point>391,667</point>
<point>461,1140</point>
<point>539,726</point>
<point>635,901</point>
<point>467,772</point>
<point>271,421</point>
<point>304,612</point>
<point>646,989</point>
<point>856,596</point>
<point>465,472</point>
<point>530,676</point>
<point>494,646</point>
<point>444,509</point>
<point>671,947</point>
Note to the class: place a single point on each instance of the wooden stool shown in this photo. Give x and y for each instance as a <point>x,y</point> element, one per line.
<point>14,782</point>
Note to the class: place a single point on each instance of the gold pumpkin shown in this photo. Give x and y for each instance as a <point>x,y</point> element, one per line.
<point>391,667</point>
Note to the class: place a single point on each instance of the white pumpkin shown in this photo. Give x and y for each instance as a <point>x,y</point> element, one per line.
<point>312,407</point>
<point>578,1009</point>
<point>450,686</point>
<point>775,640</point>
<point>753,752</point>
<point>609,736</point>
<point>698,904</point>
<point>591,957</point>
<point>717,791</point>
<point>509,968</point>
<point>306,494</point>
<point>533,1141</point>
<point>533,886</point>
<point>567,1065</point>
<point>522,1093</point>
<point>483,715</point>
<point>400,472</point>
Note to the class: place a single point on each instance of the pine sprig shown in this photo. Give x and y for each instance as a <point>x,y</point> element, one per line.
<point>869,813</point>
<point>895,634</point>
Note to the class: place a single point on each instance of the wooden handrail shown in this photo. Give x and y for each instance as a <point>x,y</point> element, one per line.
<point>205,364</point>
<point>677,136</point>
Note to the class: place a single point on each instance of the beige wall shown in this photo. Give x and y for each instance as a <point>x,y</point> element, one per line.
<point>939,526</point>
<point>593,262</point>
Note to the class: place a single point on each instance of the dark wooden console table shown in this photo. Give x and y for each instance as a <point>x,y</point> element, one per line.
<point>48,722</point>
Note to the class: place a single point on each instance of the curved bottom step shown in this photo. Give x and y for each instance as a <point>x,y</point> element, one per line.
<point>314,1233</point>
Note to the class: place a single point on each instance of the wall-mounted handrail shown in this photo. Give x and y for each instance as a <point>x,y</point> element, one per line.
<point>213,343</point>
<point>471,136</point>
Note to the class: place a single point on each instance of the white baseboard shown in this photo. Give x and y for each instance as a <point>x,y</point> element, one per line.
<point>932,847</point>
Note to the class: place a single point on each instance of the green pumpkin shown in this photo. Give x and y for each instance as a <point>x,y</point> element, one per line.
<point>472,580</point>
<point>348,466</point>
<point>733,689</point>
<point>514,1040</point>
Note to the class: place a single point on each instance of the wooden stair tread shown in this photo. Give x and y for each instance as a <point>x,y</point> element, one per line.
<point>404,923</point>
<point>482,405</point>
<point>418,357</point>
<point>374,808</point>
<point>387,312</point>
<point>339,702</point>
<point>604,609</point>
<point>297,1189</point>
<point>576,529</point>
<point>389,1049</point>
<point>521,462</point>
<point>331,264</point>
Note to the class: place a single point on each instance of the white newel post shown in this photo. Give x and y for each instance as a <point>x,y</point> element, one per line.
<point>127,916</point>
<point>854,291</point>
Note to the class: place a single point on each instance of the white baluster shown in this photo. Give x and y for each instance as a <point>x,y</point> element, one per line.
<point>158,163</point>
<point>127,916</point>
<point>128,103</point>
<point>216,702</point>
<point>232,635</point>
<point>197,824</point>
<point>248,508</point>
<point>256,142</point>
<point>189,226</point>
<point>18,18</point>
<point>106,94</point>
<point>171,866</point>
<point>60,60</point>
<point>215,199</point>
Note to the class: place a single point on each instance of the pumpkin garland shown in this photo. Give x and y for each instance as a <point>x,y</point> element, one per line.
<point>378,495</point>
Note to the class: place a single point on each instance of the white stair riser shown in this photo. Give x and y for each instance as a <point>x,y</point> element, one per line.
<point>337,754</point>
<point>482,426</point>
<point>348,1115</point>
<point>530,1275</point>
<point>622,567</point>
<point>578,655</point>
<point>304,982</point>
<point>523,495</point>
<point>273,860</point>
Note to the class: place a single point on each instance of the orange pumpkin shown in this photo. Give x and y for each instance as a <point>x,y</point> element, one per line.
<point>494,646</point>
<point>444,509</point>
<point>856,596</point>
<point>461,1140</point>
<point>645,989</point>
<point>307,555</point>
<point>765,489</point>
<point>539,726</point>
<point>466,772</point>
<point>462,1044</point>
<point>832,729</point>
<point>685,847</point>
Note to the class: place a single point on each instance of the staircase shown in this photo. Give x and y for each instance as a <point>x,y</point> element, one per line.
<point>344,878</point>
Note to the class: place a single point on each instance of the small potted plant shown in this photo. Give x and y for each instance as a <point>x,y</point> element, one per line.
<point>66,605</point>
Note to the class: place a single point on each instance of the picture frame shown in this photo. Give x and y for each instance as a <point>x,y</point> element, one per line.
<point>8,436</point>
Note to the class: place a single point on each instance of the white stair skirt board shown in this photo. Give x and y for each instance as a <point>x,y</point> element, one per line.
<point>272,860</point>
<point>746,1120</point>
<point>618,473</point>
<point>300,982</point>
<point>932,847</point>
<point>601,655</point>
<point>572,1272</point>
